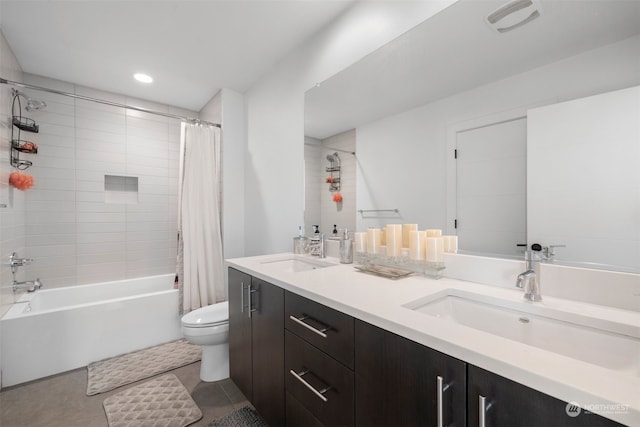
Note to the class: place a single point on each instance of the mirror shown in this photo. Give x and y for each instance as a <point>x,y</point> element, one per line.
<point>411,103</point>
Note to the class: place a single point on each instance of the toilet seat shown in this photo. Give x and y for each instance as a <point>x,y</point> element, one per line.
<point>205,317</point>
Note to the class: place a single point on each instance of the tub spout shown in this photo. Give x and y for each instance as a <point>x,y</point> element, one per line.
<point>31,285</point>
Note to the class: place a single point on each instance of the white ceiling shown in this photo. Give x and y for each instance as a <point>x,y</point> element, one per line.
<point>190,48</point>
<point>456,50</point>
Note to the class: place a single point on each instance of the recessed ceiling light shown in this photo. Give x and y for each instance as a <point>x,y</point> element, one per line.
<point>143,78</point>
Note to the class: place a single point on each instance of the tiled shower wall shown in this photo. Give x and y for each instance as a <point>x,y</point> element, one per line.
<point>319,205</point>
<point>74,235</point>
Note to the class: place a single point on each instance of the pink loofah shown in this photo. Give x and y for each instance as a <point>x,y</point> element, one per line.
<point>21,181</point>
<point>337,197</point>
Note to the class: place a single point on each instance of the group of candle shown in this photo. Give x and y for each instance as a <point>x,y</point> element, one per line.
<point>398,240</point>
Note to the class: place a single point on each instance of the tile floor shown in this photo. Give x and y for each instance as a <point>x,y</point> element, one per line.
<point>60,400</point>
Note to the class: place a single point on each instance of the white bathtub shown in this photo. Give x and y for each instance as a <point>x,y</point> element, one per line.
<point>55,330</point>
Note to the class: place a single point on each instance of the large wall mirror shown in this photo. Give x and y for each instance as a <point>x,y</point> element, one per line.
<point>480,131</point>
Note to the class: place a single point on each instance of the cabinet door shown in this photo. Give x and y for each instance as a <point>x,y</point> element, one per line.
<point>240,369</point>
<point>397,382</point>
<point>267,325</point>
<point>510,404</point>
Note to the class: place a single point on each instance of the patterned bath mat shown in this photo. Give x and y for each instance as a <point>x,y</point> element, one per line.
<point>108,374</point>
<point>243,417</point>
<point>160,402</point>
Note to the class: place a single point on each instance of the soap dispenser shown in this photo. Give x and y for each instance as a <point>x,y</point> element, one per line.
<point>300,243</point>
<point>346,248</point>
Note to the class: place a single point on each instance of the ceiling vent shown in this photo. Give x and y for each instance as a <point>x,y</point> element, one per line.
<point>513,15</point>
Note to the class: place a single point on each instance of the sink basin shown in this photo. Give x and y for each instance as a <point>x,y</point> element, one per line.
<point>294,264</point>
<point>572,336</point>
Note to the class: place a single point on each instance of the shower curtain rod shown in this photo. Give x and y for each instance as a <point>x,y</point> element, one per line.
<point>113,104</point>
<point>330,148</point>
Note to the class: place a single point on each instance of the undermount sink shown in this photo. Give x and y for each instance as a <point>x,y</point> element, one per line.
<point>294,264</point>
<point>574,336</point>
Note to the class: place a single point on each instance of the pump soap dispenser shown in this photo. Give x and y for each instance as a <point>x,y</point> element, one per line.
<point>346,248</point>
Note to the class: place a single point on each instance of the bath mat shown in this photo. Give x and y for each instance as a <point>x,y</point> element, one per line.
<point>114,372</point>
<point>160,402</point>
<point>243,417</point>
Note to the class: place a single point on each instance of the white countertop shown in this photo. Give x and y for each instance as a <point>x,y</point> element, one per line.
<point>380,301</point>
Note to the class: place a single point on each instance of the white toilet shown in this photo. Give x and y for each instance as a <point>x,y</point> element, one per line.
<point>209,327</point>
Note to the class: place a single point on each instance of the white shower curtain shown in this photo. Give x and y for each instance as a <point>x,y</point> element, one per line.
<point>200,259</point>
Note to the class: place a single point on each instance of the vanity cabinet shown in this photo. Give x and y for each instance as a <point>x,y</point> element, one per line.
<point>256,343</point>
<point>301,363</point>
<point>402,383</point>
<point>319,361</point>
<point>503,402</point>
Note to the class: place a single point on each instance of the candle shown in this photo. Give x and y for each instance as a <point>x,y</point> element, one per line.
<point>360,241</point>
<point>435,249</point>
<point>373,241</point>
<point>417,241</point>
<point>434,233</point>
<point>450,244</point>
<point>406,229</point>
<point>394,240</point>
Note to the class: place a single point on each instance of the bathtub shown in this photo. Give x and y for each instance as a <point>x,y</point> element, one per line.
<point>55,330</point>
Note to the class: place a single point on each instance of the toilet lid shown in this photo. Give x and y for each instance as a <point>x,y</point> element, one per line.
<point>207,316</point>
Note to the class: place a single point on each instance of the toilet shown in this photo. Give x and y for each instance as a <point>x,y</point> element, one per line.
<point>209,327</point>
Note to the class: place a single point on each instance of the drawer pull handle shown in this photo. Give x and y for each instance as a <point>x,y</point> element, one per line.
<point>441,388</point>
<point>318,393</point>
<point>299,321</point>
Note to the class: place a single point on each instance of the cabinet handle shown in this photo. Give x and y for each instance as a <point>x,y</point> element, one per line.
<point>241,297</point>
<point>249,292</point>
<point>440,389</point>
<point>299,321</point>
<point>483,407</point>
<point>319,393</point>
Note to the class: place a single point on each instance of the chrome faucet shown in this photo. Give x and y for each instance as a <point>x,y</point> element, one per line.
<point>528,280</point>
<point>31,285</point>
<point>16,262</point>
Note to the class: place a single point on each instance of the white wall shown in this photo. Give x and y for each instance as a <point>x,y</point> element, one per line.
<point>588,197</point>
<point>227,108</point>
<point>313,175</point>
<point>406,161</point>
<point>72,233</point>
<point>275,115</point>
<point>12,201</point>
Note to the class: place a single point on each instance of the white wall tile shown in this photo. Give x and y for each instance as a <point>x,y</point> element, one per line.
<point>76,237</point>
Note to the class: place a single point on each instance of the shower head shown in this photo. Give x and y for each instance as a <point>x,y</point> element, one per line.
<point>333,157</point>
<point>32,104</point>
<point>35,105</point>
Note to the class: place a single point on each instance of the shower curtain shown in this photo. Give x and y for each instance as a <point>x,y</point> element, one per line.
<point>200,273</point>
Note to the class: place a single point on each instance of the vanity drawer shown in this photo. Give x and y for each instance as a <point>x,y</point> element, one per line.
<point>319,383</point>
<point>298,415</point>
<point>324,327</point>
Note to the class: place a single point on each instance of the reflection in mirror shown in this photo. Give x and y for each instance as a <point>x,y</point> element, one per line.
<point>410,101</point>
<point>330,183</point>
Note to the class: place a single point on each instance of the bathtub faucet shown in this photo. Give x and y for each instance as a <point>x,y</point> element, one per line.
<point>31,285</point>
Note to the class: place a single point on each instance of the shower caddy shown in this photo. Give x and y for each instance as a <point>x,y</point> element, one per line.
<point>19,145</point>
<point>334,175</point>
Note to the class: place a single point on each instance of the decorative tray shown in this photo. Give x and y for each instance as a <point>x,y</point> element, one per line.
<point>383,271</point>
